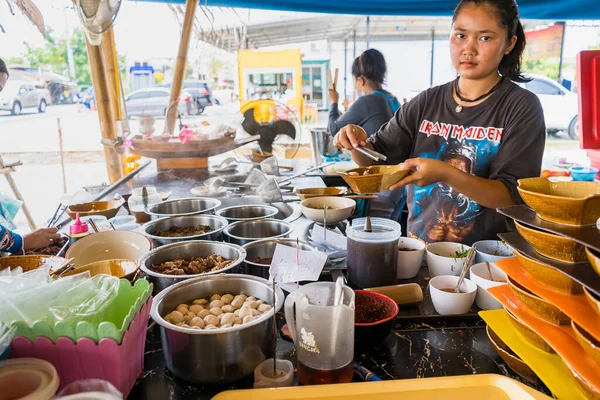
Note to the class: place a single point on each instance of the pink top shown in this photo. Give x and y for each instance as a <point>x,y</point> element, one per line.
<point>78,226</point>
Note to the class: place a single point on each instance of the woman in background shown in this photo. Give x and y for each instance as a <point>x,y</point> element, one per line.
<point>373,108</point>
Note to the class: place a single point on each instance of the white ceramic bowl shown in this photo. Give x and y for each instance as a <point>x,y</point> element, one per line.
<point>479,275</point>
<point>109,245</point>
<point>409,262</point>
<point>442,258</point>
<point>492,251</point>
<point>451,303</point>
<point>341,209</point>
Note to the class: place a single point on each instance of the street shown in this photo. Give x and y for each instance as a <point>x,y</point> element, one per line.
<point>33,139</point>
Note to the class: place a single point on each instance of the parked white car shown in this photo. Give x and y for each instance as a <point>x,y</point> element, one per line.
<point>18,95</point>
<point>154,101</point>
<point>560,104</point>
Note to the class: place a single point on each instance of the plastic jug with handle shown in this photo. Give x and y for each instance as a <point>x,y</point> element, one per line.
<point>323,330</point>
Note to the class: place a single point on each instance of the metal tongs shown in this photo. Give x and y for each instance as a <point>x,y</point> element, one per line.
<point>372,154</point>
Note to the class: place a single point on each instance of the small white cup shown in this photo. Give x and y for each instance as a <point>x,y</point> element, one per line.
<point>409,262</point>
<point>446,303</point>
<point>442,259</point>
<point>480,277</point>
<point>262,381</point>
<point>492,251</point>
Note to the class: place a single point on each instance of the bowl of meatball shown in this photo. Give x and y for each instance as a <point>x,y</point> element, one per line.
<point>216,329</point>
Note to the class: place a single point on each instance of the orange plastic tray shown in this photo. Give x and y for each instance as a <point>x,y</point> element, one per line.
<point>487,386</point>
<point>575,306</point>
<point>561,339</point>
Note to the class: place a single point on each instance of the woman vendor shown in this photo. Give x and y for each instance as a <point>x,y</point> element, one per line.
<point>373,108</point>
<point>470,140</point>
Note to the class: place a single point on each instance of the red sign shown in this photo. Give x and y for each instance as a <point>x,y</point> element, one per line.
<point>543,44</point>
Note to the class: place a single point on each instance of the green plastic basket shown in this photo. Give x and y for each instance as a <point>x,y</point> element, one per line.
<point>116,320</point>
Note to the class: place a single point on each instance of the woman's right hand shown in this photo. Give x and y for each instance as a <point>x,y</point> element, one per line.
<point>350,137</point>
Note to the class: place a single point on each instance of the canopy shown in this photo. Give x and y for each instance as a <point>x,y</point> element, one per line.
<point>560,10</point>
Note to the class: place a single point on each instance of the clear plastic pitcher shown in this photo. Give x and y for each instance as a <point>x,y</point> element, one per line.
<point>323,333</point>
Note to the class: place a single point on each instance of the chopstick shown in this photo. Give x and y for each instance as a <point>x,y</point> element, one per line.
<point>64,268</point>
<point>372,154</point>
<point>333,80</point>
<point>54,216</point>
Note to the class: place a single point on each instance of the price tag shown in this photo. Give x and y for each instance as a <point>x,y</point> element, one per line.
<point>293,265</point>
<point>332,238</point>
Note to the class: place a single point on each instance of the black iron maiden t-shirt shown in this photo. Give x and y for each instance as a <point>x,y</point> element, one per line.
<point>502,139</point>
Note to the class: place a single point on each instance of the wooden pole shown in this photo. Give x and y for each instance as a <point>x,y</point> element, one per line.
<point>186,33</point>
<point>111,64</point>
<point>62,156</point>
<point>108,127</point>
<point>15,189</point>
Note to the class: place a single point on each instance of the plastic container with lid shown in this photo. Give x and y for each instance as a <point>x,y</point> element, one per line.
<point>372,256</point>
<point>136,201</point>
<point>28,378</point>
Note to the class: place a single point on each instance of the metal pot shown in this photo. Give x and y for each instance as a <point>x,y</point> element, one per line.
<point>180,207</point>
<point>243,232</point>
<point>216,223</point>
<point>247,212</point>
<point>217,356</point>
<point>195,248</point>
<point>265,249</point>
<point>321,144</point>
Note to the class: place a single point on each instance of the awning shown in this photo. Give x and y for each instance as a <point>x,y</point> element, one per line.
<point>559,10</point>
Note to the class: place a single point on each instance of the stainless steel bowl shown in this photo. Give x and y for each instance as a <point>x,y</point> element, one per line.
<point>265,249</point>
<point>243,232</point>
<point>187,206</point>
<point>216,223</point>
<point>247,212</point>
<point>216,356</point>
<point>194,248</point>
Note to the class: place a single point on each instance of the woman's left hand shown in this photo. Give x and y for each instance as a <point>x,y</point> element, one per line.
<point>426,172</point>
<point>334,96</point>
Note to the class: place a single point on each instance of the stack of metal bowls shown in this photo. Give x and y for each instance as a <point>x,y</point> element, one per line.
<point>180,207</point>
<point>187,250</point>
<point>243,232</point>
<point>216,223</point>
<point>266,249</point>
<point>221,355</point>
<point>248,212</point>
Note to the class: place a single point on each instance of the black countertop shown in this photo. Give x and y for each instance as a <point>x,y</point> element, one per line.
<point>416,348</point>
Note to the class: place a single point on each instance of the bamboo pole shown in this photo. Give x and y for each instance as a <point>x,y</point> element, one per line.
<point>111,64</point>
<point>108,127</point>
<point>186,32</point>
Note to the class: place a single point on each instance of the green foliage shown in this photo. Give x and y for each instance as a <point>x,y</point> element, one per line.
<point>542,67</point>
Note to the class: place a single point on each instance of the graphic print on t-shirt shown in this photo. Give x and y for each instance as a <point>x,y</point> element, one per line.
<point>441,213</point>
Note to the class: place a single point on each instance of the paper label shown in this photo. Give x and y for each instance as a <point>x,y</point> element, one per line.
<point>293,265</point>
<point>332,238</point>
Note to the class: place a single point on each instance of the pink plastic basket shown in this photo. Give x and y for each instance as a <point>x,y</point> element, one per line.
<point>120,365</point>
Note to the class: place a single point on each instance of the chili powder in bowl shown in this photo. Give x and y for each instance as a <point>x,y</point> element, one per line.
<point>374,316</point>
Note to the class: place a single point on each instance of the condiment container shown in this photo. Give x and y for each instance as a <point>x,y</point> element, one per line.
<point>139,201</point>
<point>372,256</point>
<point>263,374</point>
<point>77,230</point>
<point>28,378</point>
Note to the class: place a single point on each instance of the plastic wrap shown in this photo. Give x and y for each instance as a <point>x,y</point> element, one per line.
<point>70,299</point>
<point>6,336</point>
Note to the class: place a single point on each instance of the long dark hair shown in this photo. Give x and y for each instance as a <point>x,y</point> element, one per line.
<point>508,13</point>
<point>3,68</point>
<point>370,65</point>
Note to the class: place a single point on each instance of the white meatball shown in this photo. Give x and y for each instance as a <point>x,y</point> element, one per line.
<point>236,313</point>
<point>245,311</point>
<point>264,308</point>
<point>215,297</point>
<point>176,317</point>
<point>203,313</point>
<point>255,313</point>
<point>210,327</point>
<point>226,326</point>
<point>216,311</point>
<point>237,324</point>
<point>227,298</point>
<point>200,302</point>
<point>251,298</point>
<point>237,321</point>
<point>251,304</point>
<point>228,308</point>
<point>248,318</point>
<point>180,324</point>
<point>237,303</point>
<point>183,308</point>
<point>216,303</point>
<point>211,320</point>
<point>227,319</point>
<point>259,302</point>
<point>196,308</point>
<point>197,322</point>
<point>188,317</point>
